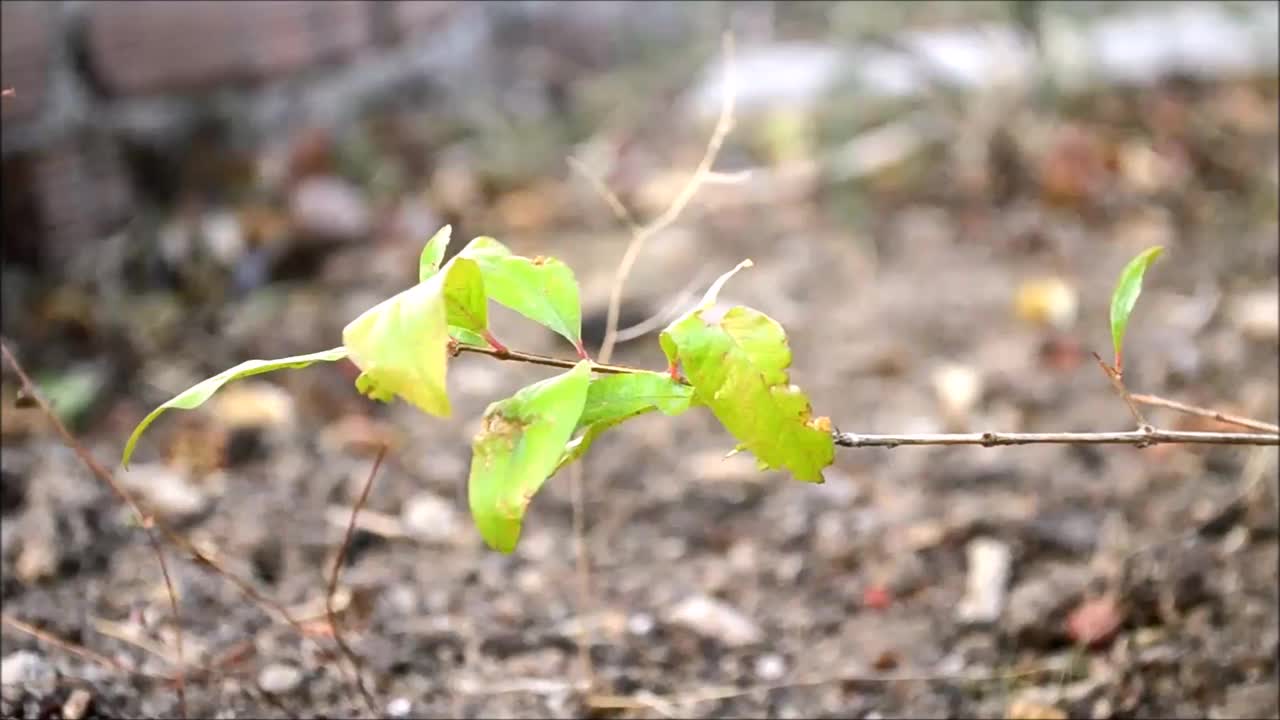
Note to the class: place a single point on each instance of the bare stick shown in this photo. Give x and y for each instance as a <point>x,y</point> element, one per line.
<point>71,648</point>
<point>663,316</point>
<point>1141,438</point>
<point>333,584</point>
<point>270,607</point>
<point>1138,438</point>
<point>535,359</point>
<point>666,704</point>
<point>1157,401</point>
<point>1116,376</point>
<point>582,564</point>
<point>641,234</point>
<point>145,520</point>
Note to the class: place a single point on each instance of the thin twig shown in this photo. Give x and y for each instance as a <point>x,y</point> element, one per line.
<point>663,316</point>
<point>71,648</point>
<point>1116,376</point>
<point>534,358</point>
<point>641,234</point>
<point>271,607</point>
<point>666,704</point>
<point>145,520</point>
<point>582,565</point>
<point>1157,401</point>
<point>1140,438</point>
<point>333,584</point>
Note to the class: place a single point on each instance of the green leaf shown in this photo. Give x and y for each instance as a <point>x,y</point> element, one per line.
<point>709,299</point>
<point>611,396</point>
<point>366,384</point>
<point>467,337</point>
<point>518,447</point>
<point>542,289</point>
<point>465,304</point>
<point>612,399</point>
<point>197,394</point>
<point>433,253</point>
<point>1126,295</point>
<point>72,393</point>
<point>738,368</point>
<point>401,345</point>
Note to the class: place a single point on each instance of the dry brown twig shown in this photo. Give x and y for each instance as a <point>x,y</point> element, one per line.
<point>71,648</point>
<point>152,525</point>
<point>640,234</point>
<point>145,520</point>
<point>1157,401</point>
<point>334,625</point>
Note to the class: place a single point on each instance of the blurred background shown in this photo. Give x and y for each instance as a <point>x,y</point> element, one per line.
<point>937,196</point>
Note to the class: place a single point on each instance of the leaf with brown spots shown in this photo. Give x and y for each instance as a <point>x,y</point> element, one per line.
<point>518,447</point>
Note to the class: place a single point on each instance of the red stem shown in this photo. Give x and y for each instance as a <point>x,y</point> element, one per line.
<point>493,343</point>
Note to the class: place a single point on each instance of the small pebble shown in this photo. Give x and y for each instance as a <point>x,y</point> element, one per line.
<point>30,670</point>
<point>166,490</point>
<point>640,624</point>
<point>715,619</point>
<point>429,518</point>
<point>279,679</point>
<point>399,707</point>
<point>770,667</point>
<point>1033,710</point>
<point>987,582</point>
<point>1095,621</point>
<point>77,704</point>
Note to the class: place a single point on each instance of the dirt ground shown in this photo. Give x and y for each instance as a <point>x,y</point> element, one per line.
<point>1046,581</point>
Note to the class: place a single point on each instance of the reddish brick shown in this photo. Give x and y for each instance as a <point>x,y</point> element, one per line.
<point>280,36</point>
<point>82,192</point>
<point>411,19</point>
<point>26,43</point>
<point>147,46</point>
<point>343,28</point>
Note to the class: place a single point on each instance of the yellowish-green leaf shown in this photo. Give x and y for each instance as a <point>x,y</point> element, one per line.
<point>518,447</point>
<point>464,336</point>
<point>708,299</point>
<point>612,399</point>
<point>610,396</point>
<point>542,289</point>
<point>738,368</point>
<point>197,394</point>
<point>401,345</point>
<point>433,253</point>
<point>466,307</point>
<point>1125,296</point>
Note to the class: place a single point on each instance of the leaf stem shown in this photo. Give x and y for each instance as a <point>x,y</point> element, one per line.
<point>498,347</point>
<point>535,359</point>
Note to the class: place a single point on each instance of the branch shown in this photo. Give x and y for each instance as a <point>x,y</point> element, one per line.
<point>1157,401</point>
<point>1142,437</point>
<point>151,525</point>
<point>333,585</point>
<point>640,234</point>
<point>1137,438</point>
<point>1116,376</point>
<point>535,359</point>
<point>145,520</point>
